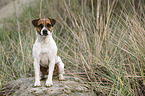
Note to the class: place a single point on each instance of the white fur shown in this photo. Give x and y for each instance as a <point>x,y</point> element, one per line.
<point>44,50</point>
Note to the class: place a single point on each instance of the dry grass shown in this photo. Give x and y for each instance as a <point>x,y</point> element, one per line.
<point>101,42</point>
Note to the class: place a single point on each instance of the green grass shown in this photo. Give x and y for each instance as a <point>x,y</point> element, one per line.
<point>102,43</point>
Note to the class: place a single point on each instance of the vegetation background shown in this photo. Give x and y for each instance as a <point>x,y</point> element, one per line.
<point>101,42</point>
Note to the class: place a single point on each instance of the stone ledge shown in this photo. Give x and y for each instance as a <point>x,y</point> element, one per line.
<point>25,87</point>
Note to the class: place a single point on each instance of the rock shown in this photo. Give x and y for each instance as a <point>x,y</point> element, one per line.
<point>25,87</point>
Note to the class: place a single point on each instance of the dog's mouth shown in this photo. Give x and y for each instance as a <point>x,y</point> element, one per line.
<point>44,35</point>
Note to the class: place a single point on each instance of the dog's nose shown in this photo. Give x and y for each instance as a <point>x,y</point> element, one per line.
<point>45,32</point>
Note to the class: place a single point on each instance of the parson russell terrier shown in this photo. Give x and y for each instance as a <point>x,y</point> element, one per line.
<point>45,52</point>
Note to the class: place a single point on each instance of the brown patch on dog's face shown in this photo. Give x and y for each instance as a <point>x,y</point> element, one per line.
<point>41,23</point>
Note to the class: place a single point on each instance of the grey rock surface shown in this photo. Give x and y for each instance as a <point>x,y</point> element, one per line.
<point>25,87</point>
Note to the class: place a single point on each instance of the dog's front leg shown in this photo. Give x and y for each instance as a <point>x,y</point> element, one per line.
<point>51,69</point>
<point>37,72</point>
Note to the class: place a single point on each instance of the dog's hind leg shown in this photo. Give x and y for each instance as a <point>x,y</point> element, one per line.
<point>61,68</point>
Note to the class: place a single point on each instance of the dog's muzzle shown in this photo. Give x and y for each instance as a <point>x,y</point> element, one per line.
<point>44,32</point>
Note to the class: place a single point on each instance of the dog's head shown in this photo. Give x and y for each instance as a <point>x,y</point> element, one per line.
<point>44,27</point>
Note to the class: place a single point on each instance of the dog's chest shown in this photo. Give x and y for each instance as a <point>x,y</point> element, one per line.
<point>45,51</point>
<point>47,48</point>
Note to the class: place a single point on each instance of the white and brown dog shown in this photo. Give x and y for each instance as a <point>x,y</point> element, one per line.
<point>45,52</point>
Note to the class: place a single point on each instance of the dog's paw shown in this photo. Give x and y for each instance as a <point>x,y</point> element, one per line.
<point>37,84</point>
<point>48,83</point>
<point>61,77</point>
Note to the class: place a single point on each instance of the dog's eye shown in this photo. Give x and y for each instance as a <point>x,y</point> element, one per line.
<point>40,26</point>
<point>48,25</point>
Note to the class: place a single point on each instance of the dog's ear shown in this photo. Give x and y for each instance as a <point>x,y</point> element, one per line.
<point>53,21</point>
<point>34,22</point>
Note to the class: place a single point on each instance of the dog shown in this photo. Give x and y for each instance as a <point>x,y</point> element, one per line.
<point>45,52</point>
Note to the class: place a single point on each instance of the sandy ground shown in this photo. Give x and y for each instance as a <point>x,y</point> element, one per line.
<point>9,7</point>
<point>4,2</point>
